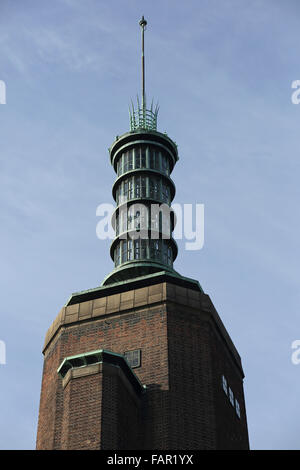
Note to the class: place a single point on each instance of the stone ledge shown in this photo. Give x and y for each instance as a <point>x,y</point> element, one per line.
<point>133,284</point>
<point>122,302</point>
<point>81,372</point>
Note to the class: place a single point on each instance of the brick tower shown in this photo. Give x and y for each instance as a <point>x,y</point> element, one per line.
<point>143,361</point>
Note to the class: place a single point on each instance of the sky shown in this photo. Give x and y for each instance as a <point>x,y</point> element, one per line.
<point>222,72</point>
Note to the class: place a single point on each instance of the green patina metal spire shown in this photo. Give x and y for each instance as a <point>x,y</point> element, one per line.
<point>143,219</point>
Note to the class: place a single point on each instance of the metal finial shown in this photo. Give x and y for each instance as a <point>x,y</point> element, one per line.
<point>143,22</point>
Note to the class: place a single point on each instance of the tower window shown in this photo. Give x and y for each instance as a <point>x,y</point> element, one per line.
<point>154,160</point>
<point>237,408</point>
<point>138,157</point>
<point>125,189</point>
<point>224,384</point>
<point>156,249</point>
<point>117,256</point>
<point>124,251</point>
<point>137,249</point>
<point>133,358</point>
<point>231,396</point>
<point>129,250</point>
<point>129,221</point>
<point>127,160</point>
<point>143,157</point>
<point>130,189</point>
<point>143,249</point>
<point>137,186</point>
<point>125,166</point>
<point>143,186</point>
<point>165,164</point>
<point>154,188</point>
<point>130,160</point>
<point>119,166</point>
<point>165,253</point>
<point>165,193</point>
<point>121,221</point>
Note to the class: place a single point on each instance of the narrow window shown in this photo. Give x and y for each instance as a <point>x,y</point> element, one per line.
<point>231,396</point>
<point>124,251</point>
<point>129,220</point>
<point>157,251</point>
<point>152,159</point>
<point>130,160</point>
<point>154,220</point>
<point>137,249</point>
<point>129,250</point>
<point>143,186</point>
<point>237,408</point>
<point>157,166</point>
<point>138,158</point>
<point>138,186</point>
<point>125,162</point>
<point>143,249</point>
<point>144,219</point>
<point>165,193</point>
<point>130,188</point>
<point>165,164</point>
<point>224,384</point>
<point>155,188</point>
<point>125,190</point>
<point>151,188</point>
<point>117,255</point>
<point>143,157</point>
<point>165,252</point>
<point>124,221</point>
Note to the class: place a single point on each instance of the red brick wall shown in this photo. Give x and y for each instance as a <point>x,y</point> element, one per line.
<point>101,410</point>
<point>81,421</point>
<point>185,351</point>
<point>121,415</point>
<point>142,329</point>
<point>192,420</point>
<point>51,402</point>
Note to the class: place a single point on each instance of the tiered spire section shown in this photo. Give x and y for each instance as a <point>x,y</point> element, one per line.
<point>143,160</point>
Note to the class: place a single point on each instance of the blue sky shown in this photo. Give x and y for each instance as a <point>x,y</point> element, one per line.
<point>222,73</point>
